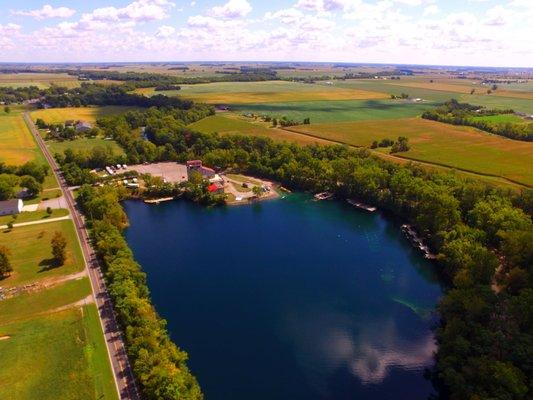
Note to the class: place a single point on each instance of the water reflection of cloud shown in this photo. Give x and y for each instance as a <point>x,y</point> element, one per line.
<point>368,348</point>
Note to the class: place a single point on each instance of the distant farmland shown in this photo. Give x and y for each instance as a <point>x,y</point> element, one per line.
<point>41,80</point>
<point>433,142</point>
<point>503,98</point>
<point>340,110</point>
<point>265,92</point>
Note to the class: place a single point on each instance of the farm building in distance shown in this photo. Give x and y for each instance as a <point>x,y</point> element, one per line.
<point>83,126</point>
<point>10,207</point>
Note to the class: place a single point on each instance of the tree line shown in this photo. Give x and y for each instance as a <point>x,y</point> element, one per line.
<point>483,237</point>
<point>159,365</point>
<point>455,113</point>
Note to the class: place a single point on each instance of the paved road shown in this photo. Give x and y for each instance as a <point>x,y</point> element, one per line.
<point>122,371</point>
<point>39,221</point>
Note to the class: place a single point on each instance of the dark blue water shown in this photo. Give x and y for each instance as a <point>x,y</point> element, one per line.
<point>290,299</point>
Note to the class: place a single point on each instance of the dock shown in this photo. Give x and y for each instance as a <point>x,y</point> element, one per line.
<point>417,241</point>
<point>157,201</point>
<point>360,205</point>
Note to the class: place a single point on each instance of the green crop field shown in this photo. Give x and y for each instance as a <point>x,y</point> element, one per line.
<point>340,110</point>
<point>501,119</point>
<point>90,114</point>
<point>83,144</point>
<point>31,252</point>
<point>233,125</point>
<point>265,92</point>
<point>57,356</point>
<point>442,144</point>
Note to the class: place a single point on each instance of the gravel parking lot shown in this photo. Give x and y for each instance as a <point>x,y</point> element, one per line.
<point>170,171</point>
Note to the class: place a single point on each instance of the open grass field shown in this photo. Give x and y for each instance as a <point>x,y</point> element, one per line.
<point>437,143</point>
<point>17,145</point>
<point>41,80</point>
<point>228,125</point>
<point>56,356</point>
<point>83,144</point>
<point>89,114</point>
<point>28,305</point>
<point>31,252</point>
<point>265,92</point>
<point>340,110</point>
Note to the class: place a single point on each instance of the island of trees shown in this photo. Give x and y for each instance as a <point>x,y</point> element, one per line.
<point>453,112</point>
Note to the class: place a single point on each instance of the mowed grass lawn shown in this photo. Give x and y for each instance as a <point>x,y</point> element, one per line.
<point>31,252</point>
<point>33,216</point>
<point>89,114</point>
<point>232,125</point>
<point>83,144</point>
<point>339,110</point>
<point>57,356</point>
<point>265,92</point>
<point>434,142</point>
<point>17,144</point>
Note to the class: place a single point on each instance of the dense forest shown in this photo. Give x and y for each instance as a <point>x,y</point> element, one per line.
<point>483,237</point>
<point>453,112</point>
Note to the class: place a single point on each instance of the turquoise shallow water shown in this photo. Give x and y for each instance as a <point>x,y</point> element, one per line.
<point>290,299</point>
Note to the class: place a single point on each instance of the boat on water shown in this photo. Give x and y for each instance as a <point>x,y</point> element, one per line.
<point>323,196</point>
<point>417,241</point>
<point>360,205</point>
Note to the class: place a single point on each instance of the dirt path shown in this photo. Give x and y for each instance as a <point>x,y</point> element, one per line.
<point>80,303</point>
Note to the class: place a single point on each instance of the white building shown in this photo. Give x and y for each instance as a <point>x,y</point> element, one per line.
<point>9,207</point>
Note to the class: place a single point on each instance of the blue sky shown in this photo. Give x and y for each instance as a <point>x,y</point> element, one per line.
<point>452,32</point>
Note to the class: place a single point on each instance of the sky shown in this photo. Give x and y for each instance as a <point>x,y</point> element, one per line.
<point>438,32</point>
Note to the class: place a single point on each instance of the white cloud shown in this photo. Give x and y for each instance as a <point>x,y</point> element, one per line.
<point>165,31</point>
<point>47,11</point>
<point>232,9</point>
<point>139,11</point>
<point>431,10</point>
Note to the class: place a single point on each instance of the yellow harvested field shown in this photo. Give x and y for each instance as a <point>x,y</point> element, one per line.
<point>90,114</point>
<point>458,147</point>
<point>17,145</point>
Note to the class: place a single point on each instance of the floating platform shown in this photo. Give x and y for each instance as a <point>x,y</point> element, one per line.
<point>360,205</point>
<point>323,196</point>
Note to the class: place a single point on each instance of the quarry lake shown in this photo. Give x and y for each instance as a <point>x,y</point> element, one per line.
<point>290,299</point>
